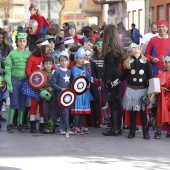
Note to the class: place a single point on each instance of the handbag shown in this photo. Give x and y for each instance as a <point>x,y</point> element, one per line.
<point>145,100</point>
<point>154,86</point>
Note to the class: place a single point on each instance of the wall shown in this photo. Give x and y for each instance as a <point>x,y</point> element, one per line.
<point>160,9</point>
<point>136,14</point>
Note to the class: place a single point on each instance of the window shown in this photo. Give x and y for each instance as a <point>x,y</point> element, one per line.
<point>80,4</point>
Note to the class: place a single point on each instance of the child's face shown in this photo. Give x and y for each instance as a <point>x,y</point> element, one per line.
<point>135,51</point>
<point>80,61</point>
<point>99,49</point>
<point>167,65</point>
<point>72,32</point>
<point>22,43</point>
<point>57,60</point>
<point>88,57</point>
<point>88,46</point>
<point>48,65</point>
<point>33,11</point>
<point>51,45</point>
<point>61,34</point>
<point>63,62</point>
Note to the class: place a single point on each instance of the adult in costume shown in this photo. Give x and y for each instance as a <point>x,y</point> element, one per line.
<point>158,46</point>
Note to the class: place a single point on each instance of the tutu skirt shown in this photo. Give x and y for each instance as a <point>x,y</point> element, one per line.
<point>131,100</point>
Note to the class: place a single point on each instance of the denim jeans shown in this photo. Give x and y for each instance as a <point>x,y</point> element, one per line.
<point>17,99</point>
<point>64,119</point>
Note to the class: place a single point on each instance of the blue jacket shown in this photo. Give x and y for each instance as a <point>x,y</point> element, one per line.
<point>136,36</point>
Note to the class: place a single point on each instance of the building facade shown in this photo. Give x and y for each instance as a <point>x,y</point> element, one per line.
<point>160,9</point>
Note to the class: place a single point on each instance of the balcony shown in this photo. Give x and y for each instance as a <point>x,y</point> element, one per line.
<point>106,1</point>
<point>89,8</point>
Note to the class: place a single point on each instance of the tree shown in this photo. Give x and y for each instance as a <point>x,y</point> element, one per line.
<point>5,7</point>
<point>60,6</point>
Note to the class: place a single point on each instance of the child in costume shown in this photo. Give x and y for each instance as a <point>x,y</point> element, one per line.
<point>49,99</point>
<point>137,71</point>
<point>82,103</point>
<point>15,65</point>
<point>92,69</point>
<point>162,100</point>
<point>43,24</point>
<point>35,63</point>
<point>61,81</point>
<point>51,41</point>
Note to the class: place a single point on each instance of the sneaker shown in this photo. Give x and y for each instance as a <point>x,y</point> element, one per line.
<point>20,128</point>
<point>70,132</point>
<point>77,131</point>
<point>138,130</point>
<point>10,129</point>
<point>2,119</point>
<point>85,130</point>
<point>61,132</point>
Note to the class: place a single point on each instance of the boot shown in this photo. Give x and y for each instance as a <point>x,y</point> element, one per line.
<point>145,132</point>
<point>132,132</point>
<point>33,127</point>
<point>114,117</point>
<point>10,128</point>
<point>132,125</point>
<point>46,129</point>
<point>41,127</point>
<point>52,123</point>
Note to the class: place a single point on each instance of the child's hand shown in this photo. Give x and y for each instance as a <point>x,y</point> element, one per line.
<point>62,89</point>
<point>88,87</point>
<point>10,91</point>
<point>50,89</point>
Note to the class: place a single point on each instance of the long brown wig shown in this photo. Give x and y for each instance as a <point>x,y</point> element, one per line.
<point>5,44</point>
<point>111,38</point>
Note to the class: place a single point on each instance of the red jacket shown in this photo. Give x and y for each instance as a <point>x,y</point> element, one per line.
<point>35,63</point>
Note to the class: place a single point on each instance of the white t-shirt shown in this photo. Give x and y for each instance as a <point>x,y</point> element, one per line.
<point>146,38</point>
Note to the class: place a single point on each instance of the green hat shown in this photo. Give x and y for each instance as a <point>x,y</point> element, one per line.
<point>49,37</point>
<point>98,43</point>
<point>45,95</point>
<point>22,35</point>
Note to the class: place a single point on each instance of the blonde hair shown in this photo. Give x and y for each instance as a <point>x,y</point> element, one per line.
<point>35,7</point>
<point>127,62</point>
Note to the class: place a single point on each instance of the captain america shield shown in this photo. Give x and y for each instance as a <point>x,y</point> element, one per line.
<point>79,85</point>
<point>67,98</point>
<point>37,79</point>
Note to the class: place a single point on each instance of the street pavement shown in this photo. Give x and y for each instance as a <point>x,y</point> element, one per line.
<point>26,151</point>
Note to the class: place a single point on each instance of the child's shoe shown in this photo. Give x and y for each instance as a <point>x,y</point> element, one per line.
<point>20,128</point>
<point>84,130</point>
<point>61,132</point>
<point>77,131</point>
<point>10,129</point>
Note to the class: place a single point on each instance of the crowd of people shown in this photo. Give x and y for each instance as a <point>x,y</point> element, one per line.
<point>117,68</point>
